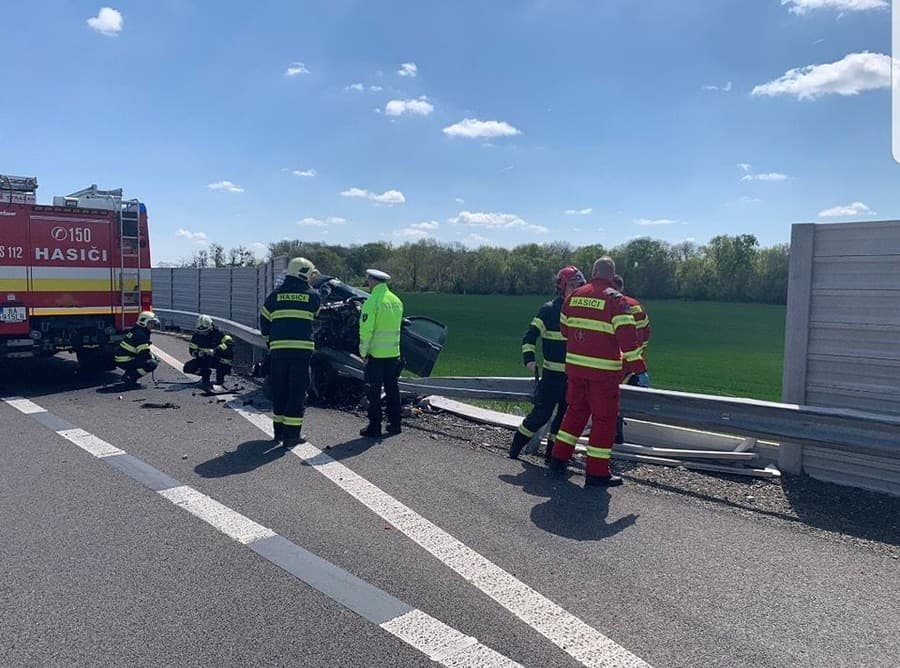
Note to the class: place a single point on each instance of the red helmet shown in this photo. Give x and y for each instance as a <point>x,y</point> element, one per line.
<point>566,276</point>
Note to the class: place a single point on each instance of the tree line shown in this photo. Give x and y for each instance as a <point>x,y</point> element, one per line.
<point>727,268</point>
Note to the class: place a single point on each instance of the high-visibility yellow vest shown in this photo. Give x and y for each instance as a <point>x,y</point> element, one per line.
<point>380,323</point>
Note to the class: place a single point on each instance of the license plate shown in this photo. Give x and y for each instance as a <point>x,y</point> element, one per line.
<point>12,314</point>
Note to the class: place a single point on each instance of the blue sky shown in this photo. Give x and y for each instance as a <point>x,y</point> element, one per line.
<point>671,119</point>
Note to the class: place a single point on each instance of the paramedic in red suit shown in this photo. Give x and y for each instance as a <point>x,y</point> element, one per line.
<point>601,345</point>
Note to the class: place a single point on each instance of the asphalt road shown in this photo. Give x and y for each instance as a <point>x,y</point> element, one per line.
<point>97,569</point>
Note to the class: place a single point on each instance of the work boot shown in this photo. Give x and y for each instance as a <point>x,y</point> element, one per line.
<point>393,429</point>
<point>277,433</point>
<point>548,455</point>
<point>558,465</point>
<point>290,441</point>
<point>519,441</point>
<point>130,380</point>
<point>371,431</point>
<point>602,481</point>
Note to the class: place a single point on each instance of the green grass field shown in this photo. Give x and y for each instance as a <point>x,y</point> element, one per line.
<point>708,347</point>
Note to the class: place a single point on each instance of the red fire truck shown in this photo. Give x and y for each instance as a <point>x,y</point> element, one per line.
<point>73,275</point>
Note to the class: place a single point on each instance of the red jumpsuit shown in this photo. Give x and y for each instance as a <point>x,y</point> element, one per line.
<point>601,344</point>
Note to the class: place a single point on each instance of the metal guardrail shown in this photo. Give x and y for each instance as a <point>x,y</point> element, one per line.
<point>848,447</point>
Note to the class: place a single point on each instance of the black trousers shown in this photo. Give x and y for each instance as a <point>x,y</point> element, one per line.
<point>550,395</point>
<point>204,366</point>
<point>289,380</point>
<point>138,367</point>
<point>383,372</point>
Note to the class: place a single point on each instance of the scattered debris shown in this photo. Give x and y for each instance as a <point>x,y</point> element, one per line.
<point>168,404</point>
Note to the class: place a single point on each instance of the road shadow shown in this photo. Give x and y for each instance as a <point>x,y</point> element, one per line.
<point>248,456</point>
<point>49,376</point>
<point>353,447</point>
<point>571,511</point>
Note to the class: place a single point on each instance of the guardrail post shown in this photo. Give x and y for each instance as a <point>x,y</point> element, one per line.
<point>796,334</point>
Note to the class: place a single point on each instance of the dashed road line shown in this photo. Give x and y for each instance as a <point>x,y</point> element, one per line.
<point>581,641</point>
<point>440,642</point>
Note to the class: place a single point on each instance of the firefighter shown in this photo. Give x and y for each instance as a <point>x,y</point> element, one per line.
<point>642,323</point>
<point>601,344</point>
<point>211,350</point>
<point>286,320</point>
<point>379,345</point>
<point>551,388</point>
<point>133,355</point>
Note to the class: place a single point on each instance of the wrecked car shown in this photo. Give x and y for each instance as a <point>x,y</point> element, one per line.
<point>336,333</point>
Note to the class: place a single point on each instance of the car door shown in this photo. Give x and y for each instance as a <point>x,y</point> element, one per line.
<point>421,341</point>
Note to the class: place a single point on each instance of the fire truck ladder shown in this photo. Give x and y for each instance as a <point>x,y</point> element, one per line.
<point>128,219</point>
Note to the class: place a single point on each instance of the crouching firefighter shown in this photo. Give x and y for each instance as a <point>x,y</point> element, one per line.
<point>286,320</point>
<point>211,350</point>
<point>133,355</point>
<point>551,388</point>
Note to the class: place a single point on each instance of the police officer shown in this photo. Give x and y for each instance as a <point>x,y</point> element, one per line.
<point>379,345</point>
<point>286,320</point>
<point>133,355</point>
<point>211,350</point>
<point>642,324</point>
<point>551,389</point>
<point>601,345</point>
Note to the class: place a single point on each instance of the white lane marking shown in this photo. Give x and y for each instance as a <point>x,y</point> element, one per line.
<point>168,359</point>
<point>443,644</point>
<point>578,639</point>
<point>23,405</point>
<point>440,642</point>
<point>90,443</point>
<point>228,521</point>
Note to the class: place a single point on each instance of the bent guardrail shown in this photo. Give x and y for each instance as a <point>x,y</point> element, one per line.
<point>848,447</point>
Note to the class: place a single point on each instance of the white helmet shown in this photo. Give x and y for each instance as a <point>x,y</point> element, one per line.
<point>300,267</point>
<point>147,319</point>
<point>204,323</point>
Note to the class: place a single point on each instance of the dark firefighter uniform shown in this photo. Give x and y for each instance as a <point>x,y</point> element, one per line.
<point>133,355</point>
<point>286,320</point>
<point>211,350</point>
<point>601,344</point>
<point>551,389</point>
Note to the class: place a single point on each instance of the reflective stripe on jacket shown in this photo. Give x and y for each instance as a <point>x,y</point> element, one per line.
<point>601,337</point>
<point>553,345</point>
<point>641,322</point>
<point>215,343</point>
<point>286,317</point>
<point>379,324</point>
<point>136,344</point>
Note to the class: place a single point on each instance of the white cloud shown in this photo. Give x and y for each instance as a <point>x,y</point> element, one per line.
<point>459,200</point>
<point>199,238</point>
<point>389,197</point>
<point>853,74</point>
<point>259,249</point>
<point>303,172</point>
<point>426,225</point>
<point>725,89</point>
<point>769,176</point>
<point>655,221</point>
<point>319,222</point>
<point>578,212</point>
<point>360,87</point>
<point>420,107</point>
<point>805,6</point>
<point>744,166</point>
<point>108,22</point>
<point>854,209</point>
<point>472,128</point>
<point>746,199</point>
<point>226,185</point>
<point>408,70</point>
<point>496,221</point>
<point>411,233</point>
<point>296,69</point>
